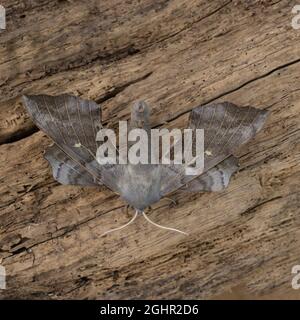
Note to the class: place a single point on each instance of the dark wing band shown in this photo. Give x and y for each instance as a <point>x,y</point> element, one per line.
<point>215,179</point>
<point>67,171</point>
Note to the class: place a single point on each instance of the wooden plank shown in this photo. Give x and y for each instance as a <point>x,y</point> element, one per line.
<point>197,52</point>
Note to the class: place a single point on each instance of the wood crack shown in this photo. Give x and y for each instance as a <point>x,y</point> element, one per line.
<point>286,65</point>
<point>189,26</point>
<point>66,230</point>
<point>25,133</point>
<point>115,56</point>
<point>20,135</point>
<point>113,93</point>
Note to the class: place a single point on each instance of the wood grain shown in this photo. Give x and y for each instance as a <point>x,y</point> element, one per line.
<point>175,55</point>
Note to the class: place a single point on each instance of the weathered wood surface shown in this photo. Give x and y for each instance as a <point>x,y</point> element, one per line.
<point>175,55</point>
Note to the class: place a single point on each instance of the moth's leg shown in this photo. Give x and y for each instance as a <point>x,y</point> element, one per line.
<point>126,209</point>
<point>149,209</point>
<point>172,203</point>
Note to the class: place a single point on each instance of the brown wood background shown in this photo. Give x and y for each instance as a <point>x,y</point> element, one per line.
<point>175,54</point>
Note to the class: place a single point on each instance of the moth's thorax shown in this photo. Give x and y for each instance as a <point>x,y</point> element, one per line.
<point>140,115</point>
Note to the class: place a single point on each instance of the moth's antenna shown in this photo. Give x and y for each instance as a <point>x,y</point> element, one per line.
<point>162,227</point>
<point>122,227</point>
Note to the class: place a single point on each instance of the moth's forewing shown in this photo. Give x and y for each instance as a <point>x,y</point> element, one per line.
<point>226,127</point>
<point>70,122</point>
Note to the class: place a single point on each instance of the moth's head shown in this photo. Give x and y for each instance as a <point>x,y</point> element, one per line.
<point>140,113</point>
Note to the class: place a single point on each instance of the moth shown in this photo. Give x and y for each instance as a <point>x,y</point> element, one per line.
<point>72,123</point>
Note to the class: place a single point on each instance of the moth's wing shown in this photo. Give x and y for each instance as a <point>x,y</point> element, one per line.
<point>171,179</point>
<point>66,171</point>
<point>69,121</point>
<point>226,127</point>
<point>215,179</point>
